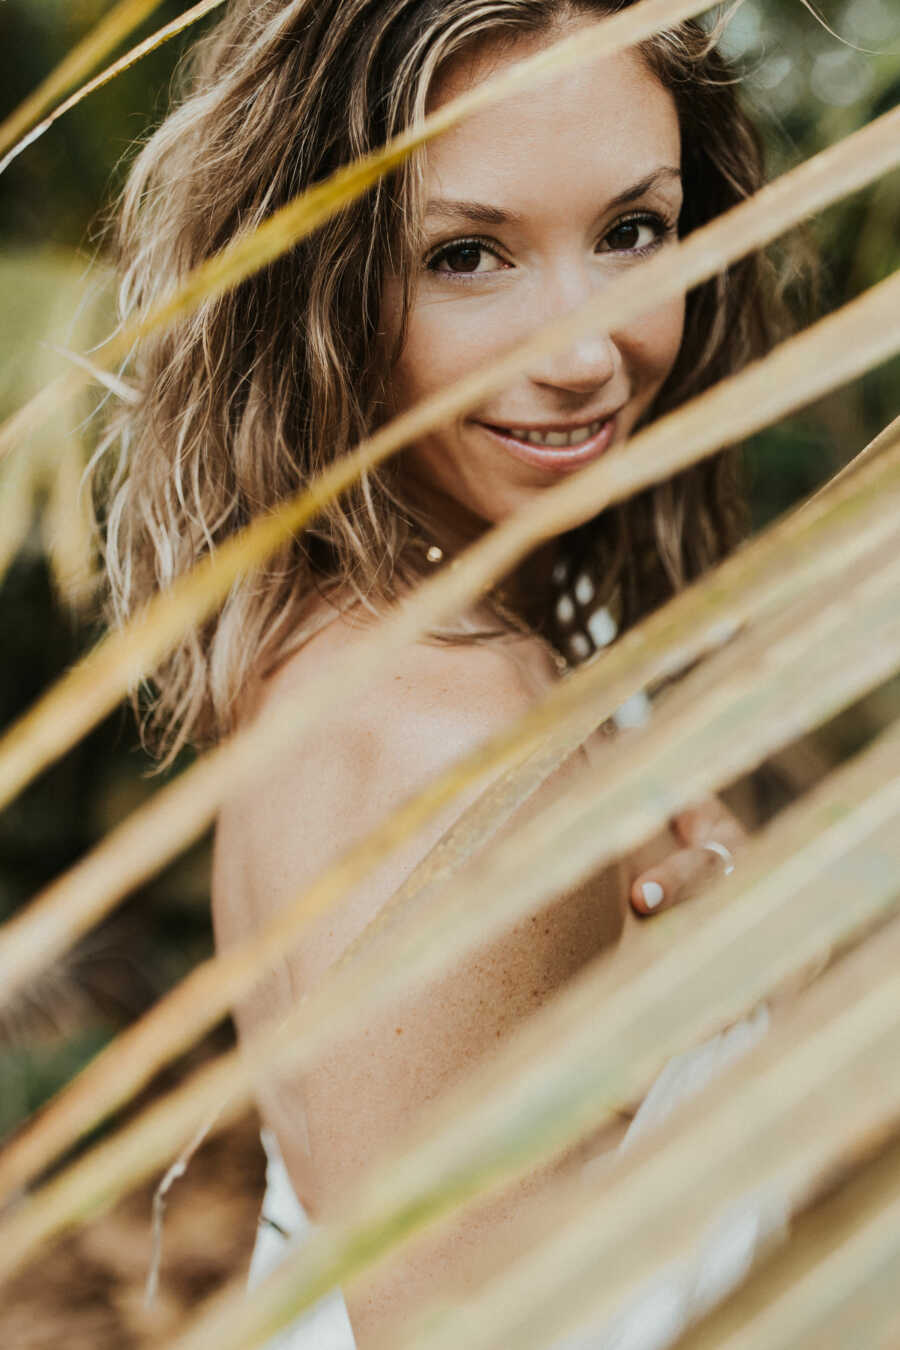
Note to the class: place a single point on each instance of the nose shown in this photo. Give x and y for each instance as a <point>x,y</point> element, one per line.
<point>588,363</point>
<point>582,368</point>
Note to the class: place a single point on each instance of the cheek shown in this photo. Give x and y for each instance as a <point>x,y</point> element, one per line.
<point>444,342</point>
<point>655,342</point>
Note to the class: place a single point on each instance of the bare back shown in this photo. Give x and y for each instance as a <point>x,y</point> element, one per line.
<point>437,703</point>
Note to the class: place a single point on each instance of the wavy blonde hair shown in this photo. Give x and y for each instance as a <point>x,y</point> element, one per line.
<point>248,399</point>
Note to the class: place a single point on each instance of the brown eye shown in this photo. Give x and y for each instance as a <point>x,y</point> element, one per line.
<point>638,235</point>
<point>464,257</point>
<point>626,235</point>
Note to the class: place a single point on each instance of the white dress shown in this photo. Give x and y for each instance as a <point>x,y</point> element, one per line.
<point>657,1315</point>
<point>283,1225</point>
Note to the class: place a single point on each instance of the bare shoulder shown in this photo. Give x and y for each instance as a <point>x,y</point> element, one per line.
<point>436,702</point>
<point>469,682</point>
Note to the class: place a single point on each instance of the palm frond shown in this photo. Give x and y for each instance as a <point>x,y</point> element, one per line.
<point>837,1276</point>
<point>693,744</point>
<point>95,686</point>
<point>819,544</point>
<point>17,133</point>
<point>771,1143</point>
<point>741,1162</point>
<point>817,360</point>
<point>121,20</point>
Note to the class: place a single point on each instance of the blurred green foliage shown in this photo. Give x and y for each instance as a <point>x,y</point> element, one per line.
<point>60,190</point>
<point>809,89</point>
<point>54,293</point>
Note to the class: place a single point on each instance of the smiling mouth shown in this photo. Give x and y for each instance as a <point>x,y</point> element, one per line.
<point>555,439</point>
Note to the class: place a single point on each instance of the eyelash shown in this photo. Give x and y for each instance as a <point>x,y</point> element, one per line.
<point>664,228</point>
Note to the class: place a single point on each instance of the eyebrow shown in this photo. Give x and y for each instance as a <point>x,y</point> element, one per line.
<point>483,214</point>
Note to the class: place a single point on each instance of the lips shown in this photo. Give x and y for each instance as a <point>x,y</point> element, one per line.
<point>556,449</point>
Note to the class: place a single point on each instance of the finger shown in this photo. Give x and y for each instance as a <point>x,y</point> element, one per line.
<point>680,876</point>
<point>709,819</point>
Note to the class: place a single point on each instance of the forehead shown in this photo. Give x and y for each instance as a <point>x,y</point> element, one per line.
<point>597,129</point>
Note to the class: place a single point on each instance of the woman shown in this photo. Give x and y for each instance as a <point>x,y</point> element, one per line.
<point>512,218</point>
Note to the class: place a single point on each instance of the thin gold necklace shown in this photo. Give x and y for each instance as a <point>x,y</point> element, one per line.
<point>587,626</point>
<point>584,626</point>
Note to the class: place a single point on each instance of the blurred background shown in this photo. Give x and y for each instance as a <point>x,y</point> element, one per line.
<point>808,89</point>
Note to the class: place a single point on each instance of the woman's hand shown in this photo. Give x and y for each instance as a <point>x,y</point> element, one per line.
<point>682,873</point>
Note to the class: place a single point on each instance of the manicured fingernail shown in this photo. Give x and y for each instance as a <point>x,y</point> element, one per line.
<point>653,894</point>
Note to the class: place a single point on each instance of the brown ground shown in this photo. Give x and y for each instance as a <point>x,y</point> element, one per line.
<point>87,1291</point>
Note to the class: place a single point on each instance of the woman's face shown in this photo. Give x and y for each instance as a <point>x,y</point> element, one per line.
<point>533,206</point>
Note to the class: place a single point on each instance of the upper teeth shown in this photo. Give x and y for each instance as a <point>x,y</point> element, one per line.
<point>573,437</point>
